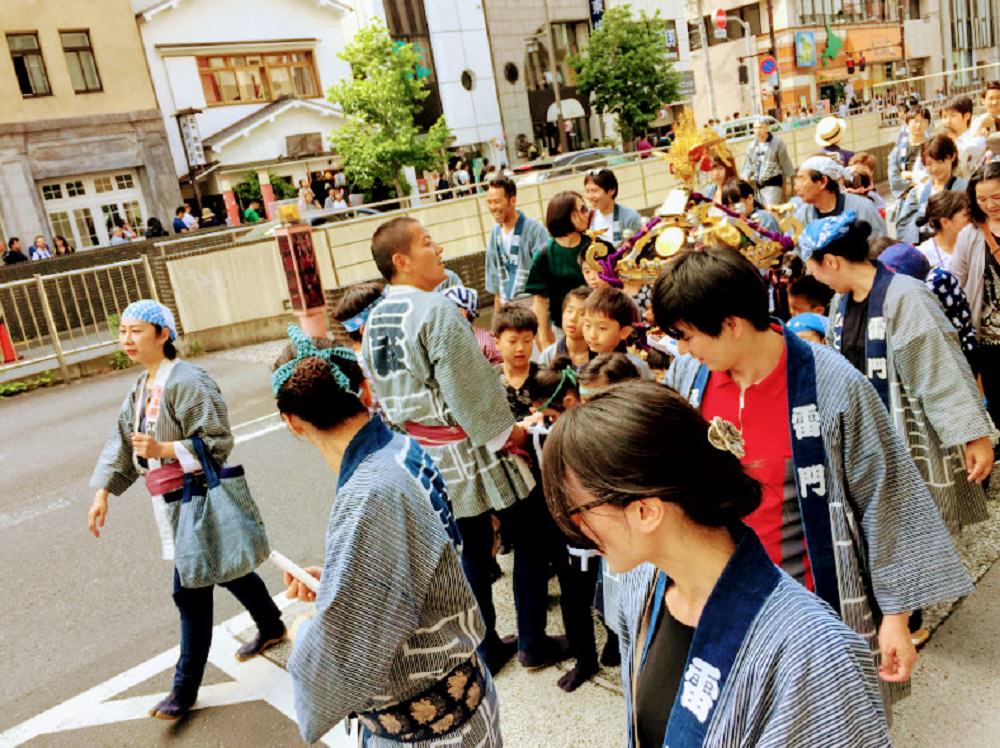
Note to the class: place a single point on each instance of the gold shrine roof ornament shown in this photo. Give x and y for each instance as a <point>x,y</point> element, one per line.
<point>693,149</point>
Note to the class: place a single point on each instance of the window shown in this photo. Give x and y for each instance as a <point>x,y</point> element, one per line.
<point>83,208</point>
<point>29,67</point>
<point>102,184</point>
<point>61,225</point>
<point>74,189</point>
<point>51,192</point>
<point>124,181</point>
<point>834,12</point>
<point>80,61</point>
<point>86,235</point>
<point>244,79</point>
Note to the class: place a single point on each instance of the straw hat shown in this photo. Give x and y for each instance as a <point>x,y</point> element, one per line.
<point>207,213</point>
<point>829,130</point>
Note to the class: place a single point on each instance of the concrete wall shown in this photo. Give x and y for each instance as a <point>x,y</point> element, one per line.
<point>117,49</point>
<point>268,140</point>
<point>323,29</point>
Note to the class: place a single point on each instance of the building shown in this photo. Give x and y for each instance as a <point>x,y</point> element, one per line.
<point>82,143</point>
<point>251,78</point>
<point>939,36</point>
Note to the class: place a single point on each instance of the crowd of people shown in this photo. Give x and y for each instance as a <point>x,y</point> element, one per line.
<point>754,475</point>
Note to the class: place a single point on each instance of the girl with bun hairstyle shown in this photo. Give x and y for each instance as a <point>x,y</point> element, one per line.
<point>394,637</point>
<point>711,630</point>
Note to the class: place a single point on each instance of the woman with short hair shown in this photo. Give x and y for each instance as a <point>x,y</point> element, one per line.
<point>711,630</point>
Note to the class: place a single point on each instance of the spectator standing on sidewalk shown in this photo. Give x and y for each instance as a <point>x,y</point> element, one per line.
<point>768,166</point>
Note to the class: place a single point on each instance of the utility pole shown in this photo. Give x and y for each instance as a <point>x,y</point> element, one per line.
<point>554,73</point>
<point>777,70</point>
<point>704,51</point>
<point>902,36</point>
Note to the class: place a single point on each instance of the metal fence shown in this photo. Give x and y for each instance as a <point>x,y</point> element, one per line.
<point>62,317</point>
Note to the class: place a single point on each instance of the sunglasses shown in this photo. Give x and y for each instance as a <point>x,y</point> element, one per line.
<point>596,172</point>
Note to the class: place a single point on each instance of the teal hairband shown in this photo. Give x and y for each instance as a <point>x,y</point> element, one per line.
<point>305,348</point>
<point>589,392</point>
<point>567,374</point>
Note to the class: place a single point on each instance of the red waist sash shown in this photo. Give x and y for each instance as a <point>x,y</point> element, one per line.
<point>435,436</point>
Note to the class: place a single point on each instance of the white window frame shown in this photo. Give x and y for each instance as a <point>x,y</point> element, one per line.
<point>93,201</point>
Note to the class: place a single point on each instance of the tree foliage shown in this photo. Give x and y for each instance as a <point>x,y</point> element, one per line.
<point>380,101</point>
<point>249,189</point>
<point>626,70</point>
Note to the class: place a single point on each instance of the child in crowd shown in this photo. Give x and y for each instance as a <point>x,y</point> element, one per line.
<point>604,371</point>
<point>807,294</point>
<point>572,344</point>
<point>555,390</point>
<point>609,318</point>
<point>809,326</point>
<point>514,330</point>
<point>354,307</point>
<point>467,300</point>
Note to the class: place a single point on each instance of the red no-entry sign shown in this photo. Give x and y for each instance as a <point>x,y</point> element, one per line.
<point>719,18</point>
<point>768,64</point>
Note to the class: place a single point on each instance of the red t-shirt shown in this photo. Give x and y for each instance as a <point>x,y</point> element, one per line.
<point>768,443</point>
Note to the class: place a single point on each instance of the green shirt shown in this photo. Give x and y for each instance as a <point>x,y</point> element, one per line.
<point>251,216</point>
<point>555,271</point>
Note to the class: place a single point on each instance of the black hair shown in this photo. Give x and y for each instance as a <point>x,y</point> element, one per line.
<point>506,184</point>
<point>960,104</point>
<point>985,173</point>
<point>391,238</point>
<point>736,191</point>
<point>940,148</point>
<point>852,247</point>
<point>857,179</point>
<point>550,381</point>
<point>944,204</point>
<point>815,292</point>
<point>603,178</point>
<point>580,293</point>
<point>638,440</point>
<point>169,349</point>
<point>559,213</point>
<point>657,359</point>
<point>614,304</point>
<point>180,211</point>
<point>354,301</point>
<point>703,288</point>
<point>11,240</point>
<point>991,86</point>
<point>915,112</point>
<point>516,317</point>
<point>831,184</point>
<point>311,392</point>
<point>611,367</point>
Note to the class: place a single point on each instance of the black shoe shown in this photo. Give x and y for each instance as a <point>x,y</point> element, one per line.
<point>173,707</point>
<point>555,649</point>
<point>495,573</point>
<point>499,652</point>
<point>611,656</point>
<point>259,644</point>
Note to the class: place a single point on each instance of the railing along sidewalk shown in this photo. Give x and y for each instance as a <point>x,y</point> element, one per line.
<point>63,315</point>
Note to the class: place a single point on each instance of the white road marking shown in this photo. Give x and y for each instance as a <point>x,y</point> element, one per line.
<point>13,519</point>
<point>258,679</point>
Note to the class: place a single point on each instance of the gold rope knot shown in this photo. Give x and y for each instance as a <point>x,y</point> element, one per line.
<point>725,436</point>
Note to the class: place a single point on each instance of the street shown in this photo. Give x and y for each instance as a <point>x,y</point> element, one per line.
<point>90,629</point>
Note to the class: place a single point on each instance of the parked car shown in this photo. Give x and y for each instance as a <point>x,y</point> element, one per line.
<point>744,127</point>
<point>569,163</point>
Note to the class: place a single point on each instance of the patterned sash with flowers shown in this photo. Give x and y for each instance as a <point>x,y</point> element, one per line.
<point>441,709</point>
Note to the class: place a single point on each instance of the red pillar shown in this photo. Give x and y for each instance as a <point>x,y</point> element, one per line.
<point>266,192</point>
<point>229,198</point>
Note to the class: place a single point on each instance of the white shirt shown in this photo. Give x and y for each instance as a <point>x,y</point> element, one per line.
<point>190,221</point>
<point>604,221</point>
<point>507,238</point>
<point>936,256</point>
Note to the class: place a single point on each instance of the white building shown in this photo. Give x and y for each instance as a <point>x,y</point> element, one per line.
<point>257,74</point>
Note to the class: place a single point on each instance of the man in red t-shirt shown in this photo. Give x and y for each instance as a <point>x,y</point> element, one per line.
<point>858,513</point>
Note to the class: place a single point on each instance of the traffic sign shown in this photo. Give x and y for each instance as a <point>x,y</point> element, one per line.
<point>719,18</point>
<point>768,64</point>
<point>720,33</point>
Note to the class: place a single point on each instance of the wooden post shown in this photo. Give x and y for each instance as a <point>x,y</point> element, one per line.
<point>53,332</point>
<point>149,278</point>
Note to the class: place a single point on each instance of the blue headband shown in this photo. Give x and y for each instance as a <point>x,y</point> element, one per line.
<point>808,321</point>
<point>819,234</point>
<point>153,312</point>
<point>305,348</point>
<point>355,323</point>
<point>466,298</point>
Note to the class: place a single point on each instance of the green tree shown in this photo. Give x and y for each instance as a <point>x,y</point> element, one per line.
<point>625,69</point>
<point>380,101</point>
<point>249,188</point>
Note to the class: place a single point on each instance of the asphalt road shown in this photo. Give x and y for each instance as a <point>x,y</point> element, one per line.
<point>89,623</point>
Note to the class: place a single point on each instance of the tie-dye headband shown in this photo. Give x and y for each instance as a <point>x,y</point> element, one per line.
<point>305,348</point>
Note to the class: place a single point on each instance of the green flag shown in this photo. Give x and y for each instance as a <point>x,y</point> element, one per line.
<point>833,45</point>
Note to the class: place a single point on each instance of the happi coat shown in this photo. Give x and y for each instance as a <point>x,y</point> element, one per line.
<point>769,663</point>
<point>184,401</point>
<point>507,272</point>
<point>879,545</point>
<point>932,395</point>
<point>394,612</point>
<point>426,368</point>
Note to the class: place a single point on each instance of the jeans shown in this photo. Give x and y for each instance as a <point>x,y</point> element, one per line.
<point>195,607</point>
<point>526,526</point>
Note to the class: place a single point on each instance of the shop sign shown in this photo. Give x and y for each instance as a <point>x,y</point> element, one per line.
<point>805,49</point>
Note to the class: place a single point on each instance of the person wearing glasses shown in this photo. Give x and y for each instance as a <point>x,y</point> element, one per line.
<point>616,221</point>
<point>711,630</point>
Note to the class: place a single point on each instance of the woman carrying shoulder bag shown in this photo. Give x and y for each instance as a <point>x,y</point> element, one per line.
<point>172,426</point>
